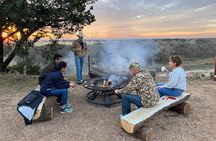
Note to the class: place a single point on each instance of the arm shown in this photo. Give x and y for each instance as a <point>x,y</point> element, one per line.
<point>132,85</point>
<point>173,79</point>
<point>60,82</point>
<point>74,46</point>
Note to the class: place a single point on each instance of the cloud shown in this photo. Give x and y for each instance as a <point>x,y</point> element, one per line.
<point>119,18</point>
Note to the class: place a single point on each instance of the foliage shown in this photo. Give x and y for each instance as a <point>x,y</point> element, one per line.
<point>31,68</point>
<point>34,19</point>
<point>49,51</point>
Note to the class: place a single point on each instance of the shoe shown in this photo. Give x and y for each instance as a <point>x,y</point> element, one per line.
<point>65,106</point>
<point>66,110</point>
<point>79,83</point>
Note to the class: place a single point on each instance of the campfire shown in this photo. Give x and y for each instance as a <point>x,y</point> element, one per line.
<point>102,90</point>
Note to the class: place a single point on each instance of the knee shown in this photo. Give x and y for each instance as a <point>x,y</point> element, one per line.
<point>65,91</point>
<point>125,97</point>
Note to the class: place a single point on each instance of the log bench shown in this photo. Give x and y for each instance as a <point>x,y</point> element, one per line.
<point>134,122</point>
<point>44,111</point>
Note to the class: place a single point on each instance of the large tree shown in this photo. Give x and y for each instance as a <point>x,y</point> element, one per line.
<point>36,17</point>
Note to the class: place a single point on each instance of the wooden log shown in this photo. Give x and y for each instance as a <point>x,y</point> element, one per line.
<point>51,100</point>
<point>39,109</point>
<point>145,133</point>
<point>183,108</point>
<point>46,114</point>
<point>136,119</point>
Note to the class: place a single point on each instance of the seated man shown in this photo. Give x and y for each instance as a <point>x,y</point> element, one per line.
<point>51,67</point>
<point>55,85</point>
<point>144,85</point>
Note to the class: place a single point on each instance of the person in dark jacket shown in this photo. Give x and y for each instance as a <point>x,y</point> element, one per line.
<point>55,85</point>
<point>51,67</point>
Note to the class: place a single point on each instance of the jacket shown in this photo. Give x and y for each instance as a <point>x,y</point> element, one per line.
<point>53,80</point>
<point>76,46</point>
<point>145,87</point>
<point>52,67</point>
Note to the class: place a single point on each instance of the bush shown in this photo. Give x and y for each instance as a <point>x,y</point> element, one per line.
<point>32,69</point>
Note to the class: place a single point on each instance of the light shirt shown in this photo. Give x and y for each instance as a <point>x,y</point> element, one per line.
<point>177,79</point>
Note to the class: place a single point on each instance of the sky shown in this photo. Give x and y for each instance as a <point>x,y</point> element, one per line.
<point>153,19</point>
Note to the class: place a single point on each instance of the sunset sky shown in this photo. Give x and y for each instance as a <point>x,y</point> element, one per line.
<point>153,19</point>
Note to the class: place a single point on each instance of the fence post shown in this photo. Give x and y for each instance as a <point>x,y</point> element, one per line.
<point>215,69</point>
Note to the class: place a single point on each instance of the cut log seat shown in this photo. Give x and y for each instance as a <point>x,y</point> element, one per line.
<point>43,112</point>
<point>136,119</point>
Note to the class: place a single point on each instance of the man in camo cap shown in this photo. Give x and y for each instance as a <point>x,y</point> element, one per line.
<point>143,84</point>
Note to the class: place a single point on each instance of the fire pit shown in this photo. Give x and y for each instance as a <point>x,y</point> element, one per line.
<point>103,91</point>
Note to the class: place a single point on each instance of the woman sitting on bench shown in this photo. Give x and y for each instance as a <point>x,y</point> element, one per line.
<point>55,85</point>
<point>177,79</point>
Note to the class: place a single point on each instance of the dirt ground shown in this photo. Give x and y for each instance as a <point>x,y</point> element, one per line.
<point>94,123</point>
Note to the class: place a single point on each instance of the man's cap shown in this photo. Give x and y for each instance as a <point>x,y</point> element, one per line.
<point>134,65</point>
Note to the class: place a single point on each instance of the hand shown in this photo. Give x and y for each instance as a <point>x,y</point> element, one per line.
<point>117,91</point>
<point>72,84</point>
<point>164,69</point>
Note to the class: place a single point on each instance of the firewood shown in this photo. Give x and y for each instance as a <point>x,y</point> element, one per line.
<point>183,108</point>
<point>145,133</point>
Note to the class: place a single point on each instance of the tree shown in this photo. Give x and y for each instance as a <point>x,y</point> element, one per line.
<point>33,19</point>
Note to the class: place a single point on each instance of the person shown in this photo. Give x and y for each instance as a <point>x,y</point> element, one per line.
<point>80,51</point>
<point>177,79</point>
<point>146,92</point>
<point>55,85</point>
<point>51,67</point>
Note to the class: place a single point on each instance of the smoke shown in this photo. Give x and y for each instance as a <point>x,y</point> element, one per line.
<point>117,55</point>
<point>117,80</point>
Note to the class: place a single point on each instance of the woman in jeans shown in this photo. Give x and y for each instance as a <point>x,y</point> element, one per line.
<point>177,79</point>
<point>55,85</point>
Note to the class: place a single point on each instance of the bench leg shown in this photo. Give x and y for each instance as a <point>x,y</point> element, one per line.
<point>46,114</point>
<point>183,108</point>
<point>145,133</point>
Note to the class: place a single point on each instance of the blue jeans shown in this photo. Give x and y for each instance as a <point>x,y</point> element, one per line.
<point>59,92</point>
<point>168,91</point>
<point>127,99</point>
<point>79,66</point>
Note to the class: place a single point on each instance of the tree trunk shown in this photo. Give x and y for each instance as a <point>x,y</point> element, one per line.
<point>8,60</point>
<point>24,67</point>
<point>1,51</point>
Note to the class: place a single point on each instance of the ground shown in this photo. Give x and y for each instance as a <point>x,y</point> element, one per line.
<point>94,123</point>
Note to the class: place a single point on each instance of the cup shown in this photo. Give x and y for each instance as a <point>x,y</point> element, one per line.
<point>163,68</point>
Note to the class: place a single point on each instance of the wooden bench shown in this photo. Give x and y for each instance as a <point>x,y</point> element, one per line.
<point>137,119</point>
